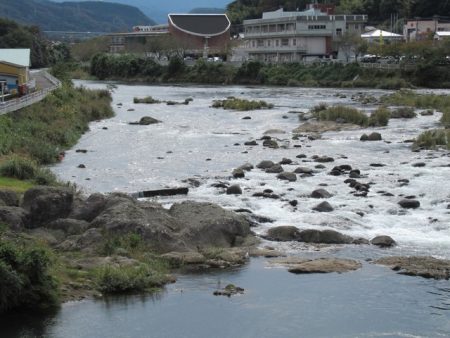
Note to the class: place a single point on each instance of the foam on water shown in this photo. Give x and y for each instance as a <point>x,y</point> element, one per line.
<point>197,141</point>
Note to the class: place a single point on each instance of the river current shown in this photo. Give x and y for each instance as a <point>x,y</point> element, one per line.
<point>198,142</point>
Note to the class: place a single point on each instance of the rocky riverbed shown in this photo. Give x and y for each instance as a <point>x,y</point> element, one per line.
<point>324,195</point>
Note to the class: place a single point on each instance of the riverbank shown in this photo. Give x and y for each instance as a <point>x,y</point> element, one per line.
<point>139,70</point>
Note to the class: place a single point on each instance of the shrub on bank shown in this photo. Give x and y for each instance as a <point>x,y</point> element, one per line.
<point>146,100</point>
<point>380,117</point>
<point>342,114</point>
<point>25,281</point>
<point>241,104</point>
<point>42,130</point>
<point>128,279</point>
<point>432,139</point>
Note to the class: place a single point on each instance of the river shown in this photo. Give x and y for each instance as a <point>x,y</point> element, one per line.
<point>198,142</point>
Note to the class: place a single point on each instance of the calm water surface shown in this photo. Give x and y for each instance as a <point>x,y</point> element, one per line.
<point>371,302</point>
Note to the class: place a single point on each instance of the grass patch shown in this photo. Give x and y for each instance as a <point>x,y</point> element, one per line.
<point>146,100</point>
<point>341,114</point>
<point>380,117</point>
<point>21,168</point>
<point>233,103</point>
<point>16,185</point>
<point>432,139</point>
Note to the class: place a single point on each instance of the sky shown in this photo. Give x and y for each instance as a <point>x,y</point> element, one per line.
<point>158,9</point>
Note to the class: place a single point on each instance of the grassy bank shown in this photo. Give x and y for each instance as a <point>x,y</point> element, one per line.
<point>129,67</point>
<point>38,134</point>
<point>30,272</point>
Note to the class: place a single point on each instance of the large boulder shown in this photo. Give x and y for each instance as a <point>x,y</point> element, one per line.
<point>123,215</point>
<point>287,176</point>
<point>90,208</point>
<point>265,164</point>
<point>9,198</point>
<point>409,204</point>
<point>324,237</point>
<point>45,204</point>
<point>16,218</point>
<point>383,241</point>
<point>283,233</point>
<point>320,193</point>
<point>208,225</point>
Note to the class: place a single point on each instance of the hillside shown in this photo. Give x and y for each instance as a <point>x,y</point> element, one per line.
<point>378,11</point>
<point>205,10</point>
<point>93,16</point>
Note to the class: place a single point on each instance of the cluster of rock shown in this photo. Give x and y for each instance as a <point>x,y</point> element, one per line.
<point>291,233</point>
<point>71,222</point>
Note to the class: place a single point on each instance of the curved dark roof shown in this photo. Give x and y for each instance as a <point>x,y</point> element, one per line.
<point>201,24</point>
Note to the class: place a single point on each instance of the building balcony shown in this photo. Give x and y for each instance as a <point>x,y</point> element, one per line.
<point>276,49</point>
<point>303,33</point>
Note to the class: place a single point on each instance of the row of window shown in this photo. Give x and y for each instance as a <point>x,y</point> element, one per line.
<point>272,43</point>
<point>289,27</point>
<point>313,27</point>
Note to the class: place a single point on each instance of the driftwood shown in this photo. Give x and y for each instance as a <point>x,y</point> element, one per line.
<point>161,192</point>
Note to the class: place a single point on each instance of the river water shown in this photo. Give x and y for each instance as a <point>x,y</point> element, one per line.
<point>197,141</point>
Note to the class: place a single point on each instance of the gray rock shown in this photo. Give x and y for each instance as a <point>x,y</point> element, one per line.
<point>238,173</point>
<point>270,144</point>
<point>320,193</point>
<point>283,234</point>
<point>321,265</point>
<point>323,207</point>
<point>427,267</point>
<point>251,143</point>
<point>90,208</point>
<point>45,204</point>
<point>147,120</point>
<point>409,204</point>
<point>208,225</point>
<point>265,164</point>
<point>303,170</point>
<point>360,241</point>
<point>234,190</point>
<point>69,226</point>
<point>383,241</point>
<point>286,161</point>
<point>374,137</point>
<point>9,198</point>
<point>324,237</point>
<point>275,169</point>
<point>16,218</point>
<point>324,159</point>
<point>364,137</point>
<point>291,177</point>
<point>247,167</point>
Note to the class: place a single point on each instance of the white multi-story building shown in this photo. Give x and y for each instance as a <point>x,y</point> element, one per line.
<point>281,36</point>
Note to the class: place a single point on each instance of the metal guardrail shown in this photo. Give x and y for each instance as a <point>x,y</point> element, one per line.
<point>388,66</point>
<point>29,99</point>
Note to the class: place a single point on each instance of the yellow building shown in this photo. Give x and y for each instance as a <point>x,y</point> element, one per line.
<point>14,68</point>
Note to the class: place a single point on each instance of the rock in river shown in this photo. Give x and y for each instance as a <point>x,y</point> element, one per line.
<point>234,190</point>
<point>409,204</point>
<point>291,177</point>
<point>323,207</point>
<point>383,241</point>
<point>427,267</point>
<point>322,265</point>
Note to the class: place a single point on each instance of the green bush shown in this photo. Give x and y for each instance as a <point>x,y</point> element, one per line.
<point>146,100</point>
<point>342,114</point>
<point>380,117</point>
<point>241,104</point>
<point>445,119</point>
<point>432,139</point>
<point>25,281</point>
<point>403,113</point>
<point>19,167</point>
<point>128,279</point>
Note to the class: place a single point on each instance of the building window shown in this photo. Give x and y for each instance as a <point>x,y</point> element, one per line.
<point>253,43</point>
<point>314,27</point>
<point>285,42</point>
<point>339,32</point>
<point>294,42</point>
<point>260,43</point>
<point>269,43</point>
<point>277,42</point>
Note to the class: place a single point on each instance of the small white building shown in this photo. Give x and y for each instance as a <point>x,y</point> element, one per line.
<point>379,35</point>
<point>442,35</point>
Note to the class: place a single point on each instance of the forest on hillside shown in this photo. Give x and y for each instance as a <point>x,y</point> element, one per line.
<point>379,11</point>
<point>93,16</point>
